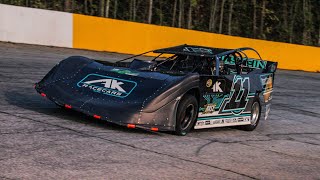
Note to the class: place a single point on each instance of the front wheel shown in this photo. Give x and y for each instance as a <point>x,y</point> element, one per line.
<point>186,114</point>
<point>255,117</point>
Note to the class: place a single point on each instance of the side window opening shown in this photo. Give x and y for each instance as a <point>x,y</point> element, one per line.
<point>206,66</point>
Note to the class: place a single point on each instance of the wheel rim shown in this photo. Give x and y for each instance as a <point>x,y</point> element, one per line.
<point>255,111</point>
<point>187,117</point>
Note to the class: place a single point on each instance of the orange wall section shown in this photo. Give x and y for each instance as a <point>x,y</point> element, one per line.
<point>103,34</point>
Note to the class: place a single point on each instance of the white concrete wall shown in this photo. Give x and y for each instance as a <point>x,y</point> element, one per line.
<point>35,26</point>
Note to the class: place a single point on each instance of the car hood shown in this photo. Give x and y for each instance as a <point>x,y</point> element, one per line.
<point>95,88</point>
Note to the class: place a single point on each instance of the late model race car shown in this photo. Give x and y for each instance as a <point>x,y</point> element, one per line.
<point>184,87</point>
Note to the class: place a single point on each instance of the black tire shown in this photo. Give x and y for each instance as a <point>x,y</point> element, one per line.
<point>255,116</point>
<point>186,114</point>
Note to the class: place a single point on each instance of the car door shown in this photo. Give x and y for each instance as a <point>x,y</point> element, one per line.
<point>223,100</point>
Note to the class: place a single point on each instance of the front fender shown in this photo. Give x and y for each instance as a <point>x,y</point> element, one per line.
<point>177,89</point>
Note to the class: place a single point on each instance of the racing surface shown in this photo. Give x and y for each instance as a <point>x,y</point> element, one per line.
<point>39,140</point>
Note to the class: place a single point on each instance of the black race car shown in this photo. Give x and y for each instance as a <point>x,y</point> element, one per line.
<point>183,87</point>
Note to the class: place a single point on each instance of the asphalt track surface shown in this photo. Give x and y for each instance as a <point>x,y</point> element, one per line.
<point>38,140</point>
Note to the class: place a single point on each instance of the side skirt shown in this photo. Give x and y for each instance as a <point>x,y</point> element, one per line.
<point>223,122</point>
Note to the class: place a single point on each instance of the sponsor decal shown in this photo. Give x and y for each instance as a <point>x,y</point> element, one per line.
<point>197,50</point>
<point>213,98</point>
<point>209,83</point>
<point>220,122</point>
<point>217,87</point>
<point>125,71</point>
<point>209,108</point>
<point>213,103</point>
<point>267,84</point>
<point>247,118</point>
<point>225,116</point>
<point>107,85</point>
<point>256,64</point>
<point>200,123</point>
<point>251,63</point>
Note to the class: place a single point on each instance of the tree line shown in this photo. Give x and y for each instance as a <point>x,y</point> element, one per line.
<point>292,21</point>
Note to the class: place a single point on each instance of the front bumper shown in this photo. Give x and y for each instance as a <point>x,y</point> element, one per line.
<point>129,114</point>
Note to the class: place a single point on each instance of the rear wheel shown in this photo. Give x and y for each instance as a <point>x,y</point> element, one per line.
<point>186,114</point>
<point>255,117</point>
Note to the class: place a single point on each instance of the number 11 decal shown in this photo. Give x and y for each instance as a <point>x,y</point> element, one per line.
<point>238,98</point>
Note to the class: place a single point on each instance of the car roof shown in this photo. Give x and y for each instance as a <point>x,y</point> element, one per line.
<point>193,50</point>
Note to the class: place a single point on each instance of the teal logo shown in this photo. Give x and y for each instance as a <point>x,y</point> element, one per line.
<point>107,85</point>
<point>251,63</point>
<point>125,71</point>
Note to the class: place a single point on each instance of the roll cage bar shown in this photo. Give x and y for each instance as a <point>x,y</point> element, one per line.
<point>215,53</point>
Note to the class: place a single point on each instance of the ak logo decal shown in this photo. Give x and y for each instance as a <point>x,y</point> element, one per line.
<point>217,87</point>
<point>107,85</point>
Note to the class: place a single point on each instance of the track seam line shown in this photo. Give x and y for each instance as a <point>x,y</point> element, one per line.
<point>3,177</point>
<point>31,132</point>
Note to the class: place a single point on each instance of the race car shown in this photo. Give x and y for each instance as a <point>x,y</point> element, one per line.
<point>171,89</point>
